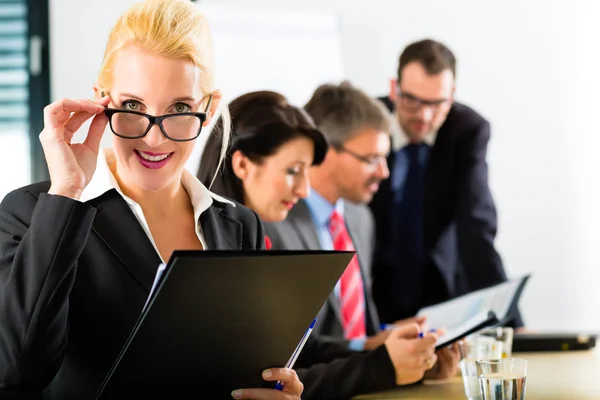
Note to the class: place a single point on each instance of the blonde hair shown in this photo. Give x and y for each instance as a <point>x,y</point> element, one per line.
<point>169,28</point>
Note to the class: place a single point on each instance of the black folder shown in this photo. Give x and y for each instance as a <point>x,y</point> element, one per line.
<point>217,319</point>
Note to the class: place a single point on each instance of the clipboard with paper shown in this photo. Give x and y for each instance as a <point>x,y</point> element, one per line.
<point>474,311</point>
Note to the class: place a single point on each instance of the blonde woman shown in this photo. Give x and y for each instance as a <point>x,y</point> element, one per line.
<point>78,254</point>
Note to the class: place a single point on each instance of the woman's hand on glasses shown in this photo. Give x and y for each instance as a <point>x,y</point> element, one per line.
<point>72,166</point>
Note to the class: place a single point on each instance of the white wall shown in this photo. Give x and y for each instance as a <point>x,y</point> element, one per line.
<point>530,68</point>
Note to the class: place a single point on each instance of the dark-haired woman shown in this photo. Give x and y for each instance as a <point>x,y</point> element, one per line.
<point>272,147</point>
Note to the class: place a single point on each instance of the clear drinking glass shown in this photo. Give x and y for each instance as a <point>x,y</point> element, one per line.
<point>472,349</point>
<point>503,379</point>
<point>504,335</point>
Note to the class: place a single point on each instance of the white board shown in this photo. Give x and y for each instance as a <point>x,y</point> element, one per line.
<point>288,52</point>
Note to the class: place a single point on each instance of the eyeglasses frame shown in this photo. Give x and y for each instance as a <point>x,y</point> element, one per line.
<point>158,120</point>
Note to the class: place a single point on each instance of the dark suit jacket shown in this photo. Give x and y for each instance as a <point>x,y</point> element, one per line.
<point>73,280</point>
<point>298,232</point>
<point>74,277</point>
<point>460,216</point>
<point>346,374</point>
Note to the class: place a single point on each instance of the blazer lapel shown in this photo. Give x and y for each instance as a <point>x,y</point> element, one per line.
<point>437,177</point>
<point>220,231</point>
<point>364,253</point>
<point>355,230</point>
<point>302,221</point>
<point>119,229</point>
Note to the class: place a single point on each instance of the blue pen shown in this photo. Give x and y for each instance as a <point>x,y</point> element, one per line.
<point>421,334</point>
<point>294,357</point>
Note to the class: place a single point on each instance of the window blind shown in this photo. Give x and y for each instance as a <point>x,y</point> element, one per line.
<point>14,73</point>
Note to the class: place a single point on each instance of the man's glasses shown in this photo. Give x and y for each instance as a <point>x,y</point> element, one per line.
<point>372,160</point>
<point>411,102</point>
<point>178,127</point>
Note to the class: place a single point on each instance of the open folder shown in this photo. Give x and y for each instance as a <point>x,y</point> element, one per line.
<point>475,311</point>
<point>216,319</point>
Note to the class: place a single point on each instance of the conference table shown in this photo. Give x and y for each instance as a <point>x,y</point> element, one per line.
<point>569,375</point>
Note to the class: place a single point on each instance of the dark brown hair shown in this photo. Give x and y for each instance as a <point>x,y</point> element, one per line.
<point>262,122</point>
<point>342,111</point>
<point>434,56</point>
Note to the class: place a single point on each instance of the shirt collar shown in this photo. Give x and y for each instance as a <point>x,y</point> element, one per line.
<point>399,138</point>
<point>103,180</point>
<point>321,209</point>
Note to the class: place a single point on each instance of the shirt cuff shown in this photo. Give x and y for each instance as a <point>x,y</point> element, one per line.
<point>357,344</point>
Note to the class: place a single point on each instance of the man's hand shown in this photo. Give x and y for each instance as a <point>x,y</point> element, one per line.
<point>377,340</point>
<point>410,354</point>
<point>447,365</point>
<point>374,342</point>
<point>419,320</point>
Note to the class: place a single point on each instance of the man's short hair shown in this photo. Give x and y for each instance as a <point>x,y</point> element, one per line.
<point>343,111</point>
<point>433,56</point>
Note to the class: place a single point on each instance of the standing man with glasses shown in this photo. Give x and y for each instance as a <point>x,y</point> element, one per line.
<point>435,216</point>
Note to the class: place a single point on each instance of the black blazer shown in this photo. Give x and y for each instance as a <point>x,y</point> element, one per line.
<point>73,280</point>
<point>460,219</point>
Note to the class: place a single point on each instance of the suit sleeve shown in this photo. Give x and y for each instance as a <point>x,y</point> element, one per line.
<point>477,218</point>
<point>344,378</point>
<point>320,349</point>
<point>40,242</point>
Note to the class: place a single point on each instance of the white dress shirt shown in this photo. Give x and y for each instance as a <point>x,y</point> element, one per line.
<point>399,138</point>
<point>104,180</point>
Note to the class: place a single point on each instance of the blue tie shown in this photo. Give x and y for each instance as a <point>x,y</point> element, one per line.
<point>407,236</point>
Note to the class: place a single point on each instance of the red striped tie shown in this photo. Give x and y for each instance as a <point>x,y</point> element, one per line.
<point>352,296</point>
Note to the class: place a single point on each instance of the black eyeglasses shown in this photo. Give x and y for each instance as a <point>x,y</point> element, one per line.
<point>414,103</point>
<point>178,127</point>
<point>372,160</point>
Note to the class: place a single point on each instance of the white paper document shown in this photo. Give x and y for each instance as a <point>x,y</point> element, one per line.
<point>463,313</point>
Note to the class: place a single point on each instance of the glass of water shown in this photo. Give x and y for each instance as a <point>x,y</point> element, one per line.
<point>502,379</point>
<point>472,349</point>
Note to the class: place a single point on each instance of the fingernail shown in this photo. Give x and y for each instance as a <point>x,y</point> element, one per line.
<point>433,330</point>
<point>267,373</point>
<point>421,335</point>
<point>237,394</point>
